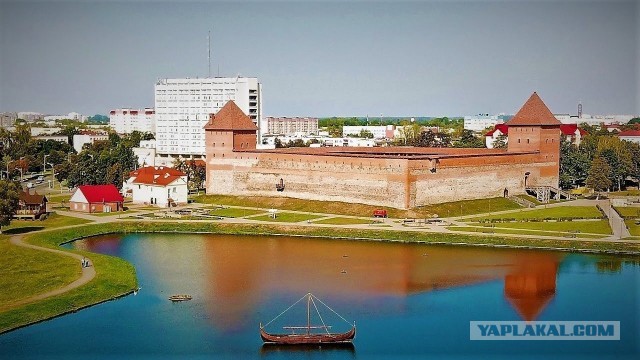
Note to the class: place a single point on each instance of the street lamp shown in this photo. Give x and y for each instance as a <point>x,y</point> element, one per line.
<point>44,164</point>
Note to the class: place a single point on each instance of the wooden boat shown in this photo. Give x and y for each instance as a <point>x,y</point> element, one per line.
<point>181,297</point>
<point>307,336</point>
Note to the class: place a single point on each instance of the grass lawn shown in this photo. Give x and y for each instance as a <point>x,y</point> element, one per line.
<point>286,217</point>
<point>53,221</point>
<point>633,228</point>
<point>234,212</point>
<point>470,207</point>
<point>628,212</point>
<point>343,221</point>
<point>458,208</point>
<point>529,198</point>
<point>589,212</point>
<point>59,197</point>
<point>25,272</point>
<point>487,230</point>
<point>114,277</point>
<point>625,193</point>
<point>594,227</point>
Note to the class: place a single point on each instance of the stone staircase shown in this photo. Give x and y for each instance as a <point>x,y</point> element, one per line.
<point>546,193</point>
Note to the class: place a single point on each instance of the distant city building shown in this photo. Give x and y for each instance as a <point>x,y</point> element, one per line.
<point>58,138</point>
<point>126,121</point>
<point>482,121</point>
<point>292,125</point>
<point>71,116</point>
<point>379,132</point>
<point>30,116</point>
<point>8,119</point>
<point>594,119</point>
<point>183,107</point>
<point>146,153</point>
<point>44,131</point>
<point>88,137</point>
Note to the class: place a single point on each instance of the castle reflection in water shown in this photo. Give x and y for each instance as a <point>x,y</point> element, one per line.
<point>238,272</point>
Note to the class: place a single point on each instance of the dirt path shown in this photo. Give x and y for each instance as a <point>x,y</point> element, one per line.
<point>88,273</point>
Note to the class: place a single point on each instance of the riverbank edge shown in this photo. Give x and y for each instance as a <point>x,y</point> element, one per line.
<point>378,235</point>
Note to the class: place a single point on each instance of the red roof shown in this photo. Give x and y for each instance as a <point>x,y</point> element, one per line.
<point>504,129</point>
<point>32,199</point>
<point>156,175</point>
<point>629,133</point>
<point>534,112</point>
<point>230,117</point>
<point>101,193</point>
<point>570,129</point>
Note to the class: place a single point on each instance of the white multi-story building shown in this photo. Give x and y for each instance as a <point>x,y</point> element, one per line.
<point>379,132</point>
<point>292,125</point>
<point>70,116</point>
<point>126,121</point>
<point>183,107</point>
<point>87,138</point>
<point>482,121</point>
<point>594,120</point>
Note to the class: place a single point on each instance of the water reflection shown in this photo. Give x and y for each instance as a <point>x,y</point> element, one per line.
<point>309,350</point>
<point>235,274</point>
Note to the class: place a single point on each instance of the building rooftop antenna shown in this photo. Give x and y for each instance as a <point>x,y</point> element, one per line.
<point>579,109</point>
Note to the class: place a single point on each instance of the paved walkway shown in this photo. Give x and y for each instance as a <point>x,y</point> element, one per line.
<point>88,273</point>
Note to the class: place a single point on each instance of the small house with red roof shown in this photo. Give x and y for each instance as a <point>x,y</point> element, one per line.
<point>632,135</point>
<point>96,199</point>
<point>157,185</point>
<point>493,135</point>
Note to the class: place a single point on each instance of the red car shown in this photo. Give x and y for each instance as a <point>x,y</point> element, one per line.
<point>380,213</point>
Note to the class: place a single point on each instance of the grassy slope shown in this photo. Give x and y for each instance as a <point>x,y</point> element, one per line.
<point>633,228</point>
<point>628,212</point>
<point>25,272</point>
<point>552,212</point>
<point>286,217</point>
<point>593,227</point>
<point>457,208</point>
<point>114,277</point>
<point>343,221</point>
<point>53,221</point>
<point>489,230</point>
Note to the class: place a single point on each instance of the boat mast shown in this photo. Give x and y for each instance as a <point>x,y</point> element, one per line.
<point>308,314</point>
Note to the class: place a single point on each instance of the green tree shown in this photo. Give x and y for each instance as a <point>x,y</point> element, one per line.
<point>364,133</point>
<point>500,142</point>
<point>9,198</point>
<point>468,140</point>
<point>635,120</point>
<point>599,175</point>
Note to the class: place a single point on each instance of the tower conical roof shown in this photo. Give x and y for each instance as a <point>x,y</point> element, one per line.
<point>534,112</point>
<point>230,117</point>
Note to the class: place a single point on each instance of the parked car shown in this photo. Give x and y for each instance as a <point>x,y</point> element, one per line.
<point>381,213</point>
<point>40,180</point>
<point>30,185</point>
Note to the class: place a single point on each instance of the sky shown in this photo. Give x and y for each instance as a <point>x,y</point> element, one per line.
<point>419,58</point>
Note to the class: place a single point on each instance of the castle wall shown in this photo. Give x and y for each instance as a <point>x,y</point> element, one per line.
<point>399,183</point>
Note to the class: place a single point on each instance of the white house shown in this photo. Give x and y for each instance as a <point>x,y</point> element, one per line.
<point>157,185</point>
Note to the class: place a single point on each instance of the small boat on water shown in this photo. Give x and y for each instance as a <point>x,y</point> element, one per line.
<point>309,334</point>
<point>181,297</point>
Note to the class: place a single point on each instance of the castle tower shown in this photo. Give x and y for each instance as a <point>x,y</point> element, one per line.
<point>227,131</point>
<point>535,129</point>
